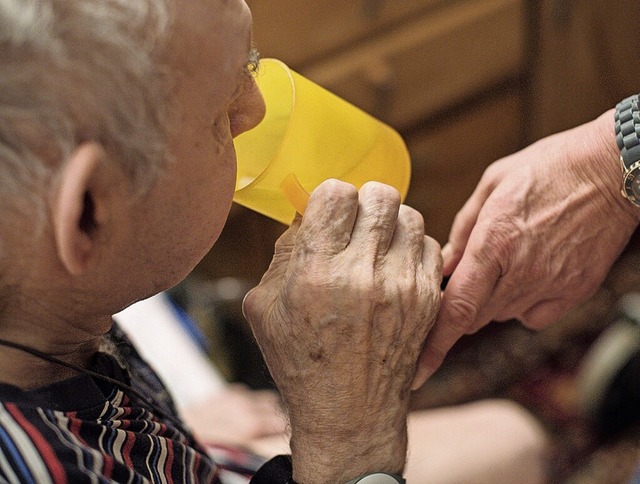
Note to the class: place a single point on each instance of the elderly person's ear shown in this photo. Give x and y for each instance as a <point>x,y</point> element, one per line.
<point>83,204</point>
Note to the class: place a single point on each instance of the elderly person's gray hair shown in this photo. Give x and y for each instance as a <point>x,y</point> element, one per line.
<point>74,71</point>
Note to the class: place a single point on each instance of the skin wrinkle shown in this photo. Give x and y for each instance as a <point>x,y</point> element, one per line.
<point>566,205</point>
<point>463,310</point>
<point>556,265</point>
<point>523,206</point>
<point>379,322</point>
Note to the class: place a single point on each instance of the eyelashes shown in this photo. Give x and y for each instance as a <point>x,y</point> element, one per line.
<point>253,62</point>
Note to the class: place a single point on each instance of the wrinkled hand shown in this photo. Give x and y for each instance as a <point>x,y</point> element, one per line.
<point>537,237</point>
<point>237,416</point>
<point>341,316</point>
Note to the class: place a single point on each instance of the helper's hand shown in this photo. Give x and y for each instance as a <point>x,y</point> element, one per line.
<point>537,237</point>
<point>341,316</point>
<point>237,416</point>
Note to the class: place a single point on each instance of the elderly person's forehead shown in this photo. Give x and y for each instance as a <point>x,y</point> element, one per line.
<point>202,21</point>
<point>210,39</point>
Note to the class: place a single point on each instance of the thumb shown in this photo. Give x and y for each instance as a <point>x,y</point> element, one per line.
<point>259,296</point>
<point>463,224</point>
<point>463,303</point>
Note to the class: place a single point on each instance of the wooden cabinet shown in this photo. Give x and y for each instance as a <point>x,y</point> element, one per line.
<point>401,64</point>
<point>301,32</point>
<point>587,61</point>
<point>429,62</point>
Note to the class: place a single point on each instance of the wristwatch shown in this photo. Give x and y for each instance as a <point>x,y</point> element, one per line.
<point>279,469</point>
<point>378,478</point>
<point>627,126</point>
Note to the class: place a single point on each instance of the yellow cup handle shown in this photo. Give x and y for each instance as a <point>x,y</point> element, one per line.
<point>295,194</point>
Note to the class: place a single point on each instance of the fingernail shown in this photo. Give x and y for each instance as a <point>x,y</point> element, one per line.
<point>447,252</point>
<point>421,376</point>
<point>447,256</point>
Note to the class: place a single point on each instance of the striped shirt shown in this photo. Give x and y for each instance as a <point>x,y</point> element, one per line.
<point>87,430</point>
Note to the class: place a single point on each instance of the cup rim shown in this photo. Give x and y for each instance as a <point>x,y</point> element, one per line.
<point>287,130</point>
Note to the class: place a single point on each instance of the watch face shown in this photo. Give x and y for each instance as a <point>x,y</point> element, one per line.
<point>631,184</point>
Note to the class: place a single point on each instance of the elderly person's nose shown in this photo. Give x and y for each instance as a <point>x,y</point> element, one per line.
<point>247,111</point>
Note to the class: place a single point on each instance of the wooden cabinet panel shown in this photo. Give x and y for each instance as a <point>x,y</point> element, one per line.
<point>300,31</point>
<point>588,61</point>
<point>433,61</point>
<point>449,159</point>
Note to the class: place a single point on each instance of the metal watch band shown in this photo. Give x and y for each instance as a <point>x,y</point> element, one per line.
<point>627,126</point>
<point>378,478</point>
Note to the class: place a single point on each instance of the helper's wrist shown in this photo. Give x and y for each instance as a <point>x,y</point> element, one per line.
<point>627,129</point>
<point>607,159</point>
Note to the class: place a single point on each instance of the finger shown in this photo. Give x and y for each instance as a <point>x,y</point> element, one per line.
<point>463,224</point>
<point>287,240</point>
<point>329,218</point>
<point>269,424</point>
<point>378,209</point>
<point>268,400</point>
<point>407,242</point>
<point>269,411</point>
<point>467,292</point>
<point>511,299</point>
<point>283,248</point>
<point>431,265</point>
<point>544,313</point>
<point>252,303</point>
<point>432,259</point>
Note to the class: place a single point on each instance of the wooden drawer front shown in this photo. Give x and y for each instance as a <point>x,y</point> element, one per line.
<point>430,63</point>
<point>296,31</point>
<point>449,159</point>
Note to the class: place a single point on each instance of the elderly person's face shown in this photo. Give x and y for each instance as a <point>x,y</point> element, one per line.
<point>215,99</point>
<point>107,242</point>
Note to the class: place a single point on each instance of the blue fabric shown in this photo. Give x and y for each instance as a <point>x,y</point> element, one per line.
<point>189,325</point>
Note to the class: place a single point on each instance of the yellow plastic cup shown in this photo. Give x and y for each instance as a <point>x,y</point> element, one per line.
<point>307,136</point>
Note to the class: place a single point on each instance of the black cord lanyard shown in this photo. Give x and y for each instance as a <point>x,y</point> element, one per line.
<point>123,386</point>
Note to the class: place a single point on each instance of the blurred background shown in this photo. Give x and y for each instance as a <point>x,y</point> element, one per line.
<point>465,82</point>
